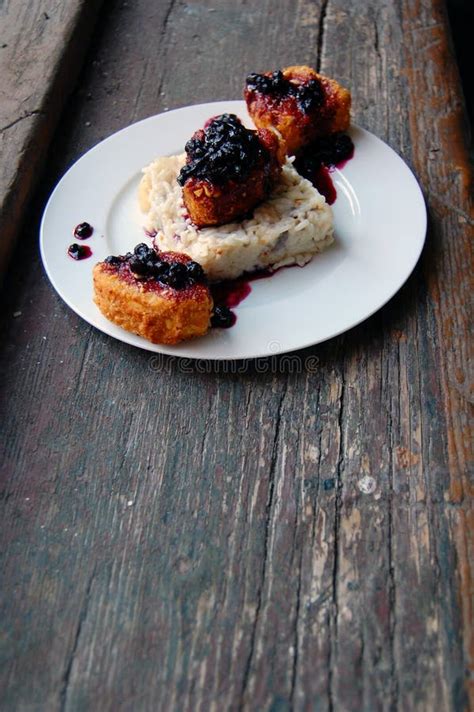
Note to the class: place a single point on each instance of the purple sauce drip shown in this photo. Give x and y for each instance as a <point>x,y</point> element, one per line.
<point>320,158</point>
<point>229,293</point>
<point>79,252</point>
<point>83,231</point>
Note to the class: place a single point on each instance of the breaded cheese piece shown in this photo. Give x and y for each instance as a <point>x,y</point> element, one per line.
<point>143,304</point>
<point>299,103</point>
<point>229,170</point>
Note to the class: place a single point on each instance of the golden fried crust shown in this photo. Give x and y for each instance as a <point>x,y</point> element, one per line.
<point>162,316</point>
<point>210,204</point>
<point>297,127</point>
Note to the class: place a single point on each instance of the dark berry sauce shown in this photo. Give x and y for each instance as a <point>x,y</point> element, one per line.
<point>316,161</point>
<point>229,293</point>
<point>79,252</point>
<point>309,95</point>
<point>322,181</point>
<point>223,151</point>
<point>83,231</point>
<point>222,317</point>
<point>330,150</point>
<point>154,268</point>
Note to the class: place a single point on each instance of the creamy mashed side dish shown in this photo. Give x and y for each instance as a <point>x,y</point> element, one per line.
<point>293,224</point>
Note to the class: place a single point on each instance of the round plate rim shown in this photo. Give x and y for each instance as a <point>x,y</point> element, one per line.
<point>130,339</point>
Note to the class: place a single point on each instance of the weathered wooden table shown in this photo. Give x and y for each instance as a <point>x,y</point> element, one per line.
<point>196,539</point>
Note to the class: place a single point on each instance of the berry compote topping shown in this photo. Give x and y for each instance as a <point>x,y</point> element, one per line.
<point>315,161</point>
<point>148,265</point>
<point>79,252</point>
<point>225,150</point>
<point>83,230</point>
<point>309,95</point>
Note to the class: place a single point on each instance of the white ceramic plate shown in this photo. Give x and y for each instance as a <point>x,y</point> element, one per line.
<point>380,225</point>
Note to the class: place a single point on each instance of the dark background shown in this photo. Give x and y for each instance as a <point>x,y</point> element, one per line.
<point>461,17</point>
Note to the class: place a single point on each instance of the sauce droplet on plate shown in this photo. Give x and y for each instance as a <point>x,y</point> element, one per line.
<point>229,294</point>
<point>79,252</point>
<point>83,231</point>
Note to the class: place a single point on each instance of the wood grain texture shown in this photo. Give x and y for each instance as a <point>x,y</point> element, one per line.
<point>41,48</point>
<point>281,535</point>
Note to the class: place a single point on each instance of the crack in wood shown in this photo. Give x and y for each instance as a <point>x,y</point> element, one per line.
<point>296,642</point>
<point>377,42</point>
<point>140,89</point>
<point>72,655</point>
<point>321,28</point>
<point>392,593</point>
<point>164,28</point>
<point>329,666</point>
<point>166,18</point>
<point>271,489</point>
<point>26,115</point>
<point>82,366</point>
<point>361,664</point>
<point>452,208</point>
<point>333,627</point>
<point>296,636</point>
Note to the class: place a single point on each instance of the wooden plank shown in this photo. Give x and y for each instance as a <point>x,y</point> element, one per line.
<point>184,537</point>
<point>42,46</point>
